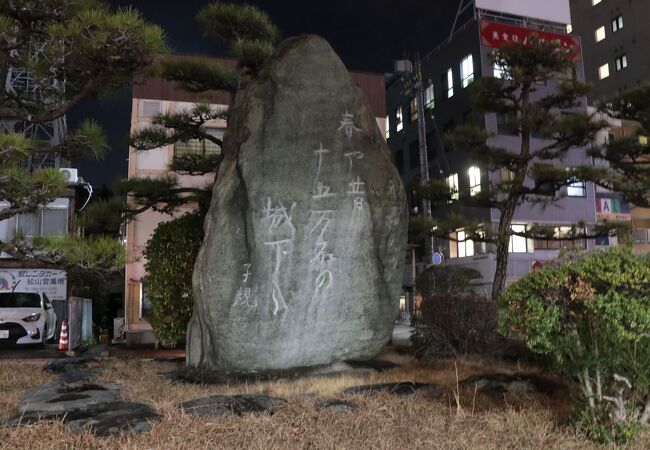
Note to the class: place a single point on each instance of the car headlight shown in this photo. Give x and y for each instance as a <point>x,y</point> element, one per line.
<point>32,317</point>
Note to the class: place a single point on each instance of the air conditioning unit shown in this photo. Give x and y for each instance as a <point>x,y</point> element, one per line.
<point>69,174</point>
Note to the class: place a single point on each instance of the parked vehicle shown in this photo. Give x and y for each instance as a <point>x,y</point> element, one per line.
<point>26,318</point>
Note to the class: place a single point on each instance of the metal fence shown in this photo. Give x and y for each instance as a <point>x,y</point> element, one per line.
<point>80,321</point>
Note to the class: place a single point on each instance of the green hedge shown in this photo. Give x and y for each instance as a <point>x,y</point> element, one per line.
<point>589,314</point>
<point>170,255</point>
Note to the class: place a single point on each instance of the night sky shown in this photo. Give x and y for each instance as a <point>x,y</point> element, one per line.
<point>367,35</point>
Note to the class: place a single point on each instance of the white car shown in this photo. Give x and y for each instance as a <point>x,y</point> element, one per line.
<point>26,318</point>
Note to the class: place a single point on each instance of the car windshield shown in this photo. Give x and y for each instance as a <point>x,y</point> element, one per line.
<point>19,300</point>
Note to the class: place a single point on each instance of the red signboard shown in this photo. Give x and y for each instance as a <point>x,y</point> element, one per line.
<point>496,35</point>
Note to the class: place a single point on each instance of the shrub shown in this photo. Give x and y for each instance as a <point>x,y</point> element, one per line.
<point>456,323</point>
<point>170,254</point>
<point>590,315</point>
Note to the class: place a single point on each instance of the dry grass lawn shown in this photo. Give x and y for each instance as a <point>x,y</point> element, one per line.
<point>382,421</point>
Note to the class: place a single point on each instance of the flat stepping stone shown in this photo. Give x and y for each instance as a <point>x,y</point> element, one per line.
<point>231,405</point>
<point>497,384</point>
<point>337,406</point>
<point>112,418</point>
<point>77,376</point>
<point>84,405</point>
<point>56,399</point>
<point>401,389</point>
<point>66,364</point>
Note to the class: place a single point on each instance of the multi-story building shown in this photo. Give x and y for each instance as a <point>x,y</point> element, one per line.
<point>152,96</point>
<point>447,72</point>
<point>614,34</point>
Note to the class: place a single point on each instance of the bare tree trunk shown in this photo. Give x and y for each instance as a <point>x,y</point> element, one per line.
<point>501,271</point>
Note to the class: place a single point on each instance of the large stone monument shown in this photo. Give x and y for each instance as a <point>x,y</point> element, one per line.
<point>304,240</point>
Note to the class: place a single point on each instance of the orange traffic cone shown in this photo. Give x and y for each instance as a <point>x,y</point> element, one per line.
<point>63,337</point>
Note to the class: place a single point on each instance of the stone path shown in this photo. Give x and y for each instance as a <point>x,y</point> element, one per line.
<point>81,402</point>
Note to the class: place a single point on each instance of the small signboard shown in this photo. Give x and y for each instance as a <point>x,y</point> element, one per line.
<point>437,258</point>
<point>612,208</point>
<point>53,283</point>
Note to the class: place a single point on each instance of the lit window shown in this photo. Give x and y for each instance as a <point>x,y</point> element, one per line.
<point>399,119</point>
<point>576,188</point>
<point>414,109</point>
<point>603,71</point>
<point>450,83</point>
<point>460,246</point>
<point>595,2</point>
<point>617,23</point>
<point>518,244</point>
<point>467,70</point>
<point>387,127</point>
<point>429,97</point>
<point>569,28</point>
<point>600,34</point>
<point>452,182</point>
<point>507,174</point>
<point>474,180</point>
<point>643,140</point>
<point>621,63</point>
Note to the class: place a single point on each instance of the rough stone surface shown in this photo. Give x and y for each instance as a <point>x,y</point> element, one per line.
<point>66,364</point>
<point>55,398</point>
<point>401,389</point>
<point>337,406</point>
<point>82,405</point>
<point>497,384</point>
<point>302,259</point>
<point>233,405</point>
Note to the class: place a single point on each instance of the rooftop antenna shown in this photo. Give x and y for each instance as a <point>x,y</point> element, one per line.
<point>463,6</point>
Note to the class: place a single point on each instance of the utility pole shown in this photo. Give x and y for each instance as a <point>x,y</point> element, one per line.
<point>424,154</point>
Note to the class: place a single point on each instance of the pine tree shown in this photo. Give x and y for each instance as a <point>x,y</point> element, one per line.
<point>252,38</point>
<point>529,174</point>
<point>65,51</point>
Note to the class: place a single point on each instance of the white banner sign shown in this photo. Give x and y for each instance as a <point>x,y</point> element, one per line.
<point>551,10</point>
<point>53,283</point>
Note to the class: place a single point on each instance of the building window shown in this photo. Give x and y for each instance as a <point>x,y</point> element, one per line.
<point>603,71</point>
<point>499,70</point>
<point>600,33</point>
<point>199,147</point>
<point>387,127</point>
<point>506,174</point>
<point>474,180</point>
<point>452,182</point>
<point>506,124</point>
<point>150,108</point>
<point>467,70</point>
<point>399,119</point>
<point>414,109</point>
<point>576,188</point>
<point>460,246</point>
<point>558,242</point>
<point>617,23</point>
<point>429,97</point>
<point>518,244</point>
<point>450,83</point>
<point>621,63</point>
<point>44,222</point>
